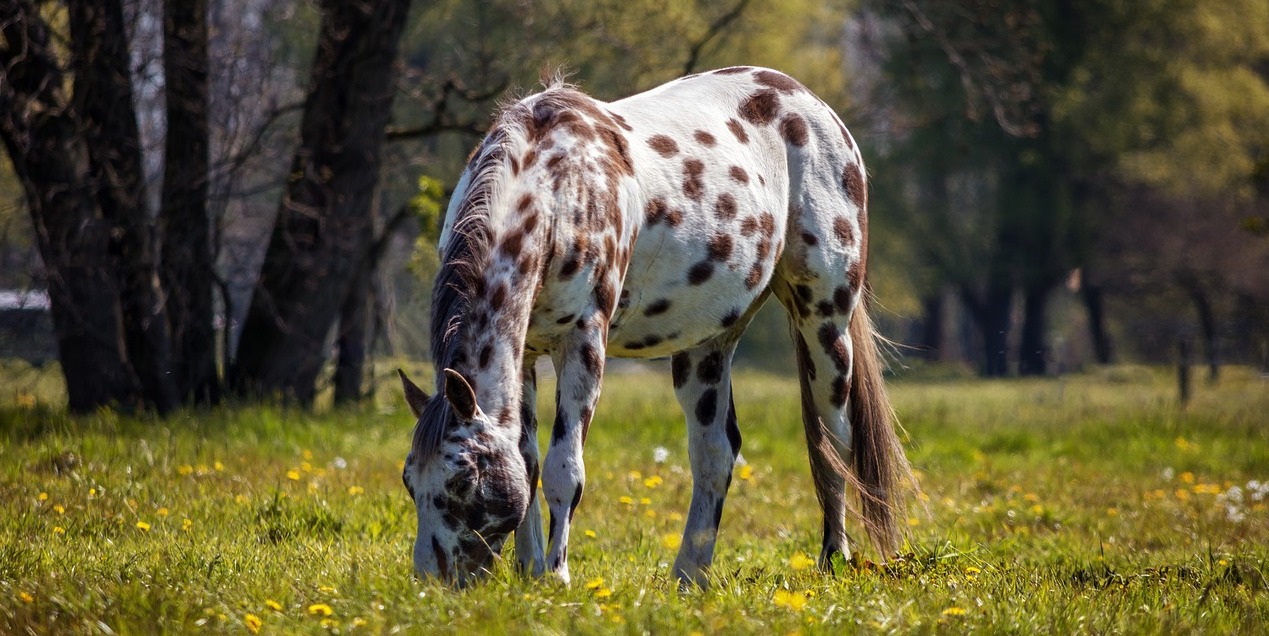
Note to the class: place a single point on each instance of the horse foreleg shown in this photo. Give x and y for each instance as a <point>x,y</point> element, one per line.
<point>702,384</point>
<point>530,543</point>
<point>579,365</point>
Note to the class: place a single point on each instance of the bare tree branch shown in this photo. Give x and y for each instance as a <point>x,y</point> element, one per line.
<point>441,119</point>
<point>714,30</point>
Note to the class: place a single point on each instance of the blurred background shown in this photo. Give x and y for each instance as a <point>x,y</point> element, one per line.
<point>205,199</point>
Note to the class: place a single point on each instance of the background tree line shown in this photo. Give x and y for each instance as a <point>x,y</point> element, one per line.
<point>217,194</point>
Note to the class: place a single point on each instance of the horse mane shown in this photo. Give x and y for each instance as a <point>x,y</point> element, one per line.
<point>460,281</point>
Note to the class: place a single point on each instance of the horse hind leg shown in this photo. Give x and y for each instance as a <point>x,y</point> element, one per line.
<point>702,384</point>
<point>824,354</point>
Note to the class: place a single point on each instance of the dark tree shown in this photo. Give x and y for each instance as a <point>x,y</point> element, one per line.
<point>187,263</point>
<point>324,230</point>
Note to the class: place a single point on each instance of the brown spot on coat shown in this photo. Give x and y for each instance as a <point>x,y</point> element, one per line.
<point>733,70</point>
<point>499,297</point>
<point>831,339</point>
<point>605,298</point>
<point>842,295</point>
<point>710,370</point>
<point>730,317</point>
<point>707,407</point>
<point>726,206</point>
<point>843,230</point>
<point>761,108</point>
<point>700,272</point>
<point>855,275</point>
<point>793,129</point>
<point>738,130</point>
<point>621,121</point>
<point>720,247</point>
<point>754,277</point>
<point>853,181</point>
<point>659,306</point>
<point>591,360</point>
<point>703,138</point>
<point>778,81</point>
<point>810,239</point>
<point>738,174</point>
<point>680,368</point>
<point>841,389</point>
<point>693,185</point>
<point>664,146</point>
<point>748,226</point>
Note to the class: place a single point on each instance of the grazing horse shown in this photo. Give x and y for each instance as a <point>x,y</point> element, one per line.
<point>652,226</point>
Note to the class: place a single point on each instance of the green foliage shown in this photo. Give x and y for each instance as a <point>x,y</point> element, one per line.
<point>1089,503</point>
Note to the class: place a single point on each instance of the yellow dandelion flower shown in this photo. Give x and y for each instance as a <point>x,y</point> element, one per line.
<point>43,496</point>
<point>356,490</point>
<point>650,513</point>
<point>971,570</point>
<point>746,472</point>
<point>184,470</point>
<point>1037,509</point>
<point>186,525</point>
<point>25,597</point>
<point>603,592</point>
<point>162,512</point>
<point>645,501</point>
<point>590,533</point>
<point>320,609</point>
<point>653,481</point>
<point>330,623</point>
<point>326,589</point>
<point>253,623</point>
<point>59,530</point>
<point>800,561</point>
<point>308,454</point>
<point>1182,494</point>
<point>595,583</point>
<point>635,475</point>
<point>1187,477</point>
<point>92,492</point>
<point>306,467</point>
<point>218,466</point>
<point>789,600</point>
<point>143,526</point>
<point>59,509</point>
<point>954,611</point>
<point>359,622</point>
<point>1222,562</point>
<point>626,499</point>
<point>272,604</point>
<point>914,522</point>
<point>293,475</point>
<point>671,541</point>
<point>1032,497</point>
<point>1112,512</point>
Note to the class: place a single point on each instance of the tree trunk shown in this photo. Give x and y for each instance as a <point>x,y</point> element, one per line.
<point>1032,351</point>
<point>932,310</point>
<point>1095,306</point>
<point>187,262</point>
<point>991,315</point>
<point>324,228</point>
<point>1207,327</point>
<point>51,158</point>
<point>103,102</point>
<point>352,343</point>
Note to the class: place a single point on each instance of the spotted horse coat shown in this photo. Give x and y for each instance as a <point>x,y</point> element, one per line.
<point>652,226</point>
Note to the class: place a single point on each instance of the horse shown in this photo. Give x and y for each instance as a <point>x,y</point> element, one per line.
<point>649,227</point>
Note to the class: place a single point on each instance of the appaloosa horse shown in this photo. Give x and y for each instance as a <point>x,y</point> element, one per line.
<point>652,226</point>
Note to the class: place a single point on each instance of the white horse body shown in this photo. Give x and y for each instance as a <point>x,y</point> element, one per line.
<point>651,226</point>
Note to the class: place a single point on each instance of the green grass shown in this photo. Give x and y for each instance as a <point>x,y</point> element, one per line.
<point>1088,504</point>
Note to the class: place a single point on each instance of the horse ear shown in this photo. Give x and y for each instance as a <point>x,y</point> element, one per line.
<point>414,396</point>
<point>460,394</point>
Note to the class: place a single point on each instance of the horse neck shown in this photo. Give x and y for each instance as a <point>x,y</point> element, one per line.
<point>498,316</point>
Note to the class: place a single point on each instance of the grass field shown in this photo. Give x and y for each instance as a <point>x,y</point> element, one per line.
<point>1087,504</point>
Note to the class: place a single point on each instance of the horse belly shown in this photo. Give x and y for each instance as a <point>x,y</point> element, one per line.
<point>674,299</point>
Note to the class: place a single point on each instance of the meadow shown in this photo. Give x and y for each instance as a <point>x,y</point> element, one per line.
<point>1090,503</point>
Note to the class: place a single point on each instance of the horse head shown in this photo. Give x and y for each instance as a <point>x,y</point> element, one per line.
<point>467,478</point>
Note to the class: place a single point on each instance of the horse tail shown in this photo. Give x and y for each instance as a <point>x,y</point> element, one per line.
<point>882,476</point>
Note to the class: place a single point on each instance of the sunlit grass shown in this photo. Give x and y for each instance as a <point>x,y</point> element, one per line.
<point>1090,503</point>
